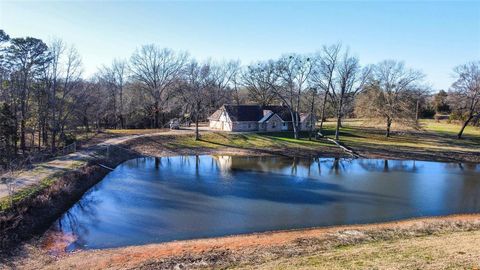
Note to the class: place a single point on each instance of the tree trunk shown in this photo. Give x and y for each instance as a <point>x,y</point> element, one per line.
<point>237,97</point>
<point>54,117</point>
<point>389,124</point>
<point>32,143</point>
<point>23,111</point>
<point>45,133</point>
<point>470,117</point>
<point>15,143</point>
<point>86,124</point>
<point>336,165</point>
<point>122,120</point>
<point>339,118</point>
<point>157,163</point>
<point>22,135</point>
<point>156,115</point>
<point>197,134</point>
<point>311,117</point>
<point>54,135</point>
<point>417,108</point>
<point>294,125</point>
<point>39,136</point>
<point>323,111</point>
<point>115,113</point>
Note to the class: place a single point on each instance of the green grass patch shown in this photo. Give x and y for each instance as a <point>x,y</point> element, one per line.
<point>432,135</point>
<point>247,140</point>
<point>444,127</point>
<point>32,190</point>
<point>29,192</point>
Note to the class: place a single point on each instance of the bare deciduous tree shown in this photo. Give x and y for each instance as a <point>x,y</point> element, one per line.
<point>157,71</point>
<point>195,89</point>
<point>120,71</point>
<point>391,94</point>
<point>224,77</point>
<point>350,80</point>
<point>258,79</point>
<point>292,73</point>
<point>323,74</point>
<point>72,69</point>
<point>465,93</point>
<point>113,79</point>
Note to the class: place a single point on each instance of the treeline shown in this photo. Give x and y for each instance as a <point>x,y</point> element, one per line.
<point>45,101</point>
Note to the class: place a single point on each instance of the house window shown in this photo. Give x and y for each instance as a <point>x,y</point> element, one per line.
<point>249,126</point>
<point>274,124</point>
<point>284,124</point>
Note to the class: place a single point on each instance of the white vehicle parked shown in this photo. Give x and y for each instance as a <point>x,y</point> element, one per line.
<point>174,124</point>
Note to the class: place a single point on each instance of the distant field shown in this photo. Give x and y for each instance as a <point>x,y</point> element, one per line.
<point>443,127</point>
<point>429,136</point>
<point>428,125</point>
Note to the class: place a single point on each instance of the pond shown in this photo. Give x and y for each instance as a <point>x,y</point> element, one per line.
<point>149,200</point>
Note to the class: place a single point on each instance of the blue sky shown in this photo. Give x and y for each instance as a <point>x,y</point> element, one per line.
<point>431,36</point>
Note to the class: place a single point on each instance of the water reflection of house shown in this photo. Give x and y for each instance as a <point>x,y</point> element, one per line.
<point>257,118</point>
<point>261,164</point>
<point>224,162</point>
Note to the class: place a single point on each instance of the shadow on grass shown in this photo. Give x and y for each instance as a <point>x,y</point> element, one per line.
<point>259,150</point>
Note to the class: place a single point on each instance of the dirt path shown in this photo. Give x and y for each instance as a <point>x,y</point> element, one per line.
<point>44,170</point>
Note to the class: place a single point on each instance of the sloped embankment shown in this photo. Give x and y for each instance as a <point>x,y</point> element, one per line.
<point>34,213</point>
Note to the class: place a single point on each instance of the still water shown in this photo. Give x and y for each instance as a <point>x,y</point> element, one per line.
<point>150,200</point>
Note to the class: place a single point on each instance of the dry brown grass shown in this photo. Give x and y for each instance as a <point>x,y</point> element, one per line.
<point>442,251</point>
<point>429,243</point>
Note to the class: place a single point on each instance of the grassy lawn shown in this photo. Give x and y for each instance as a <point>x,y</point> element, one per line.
<point>248,140</point>
<point>450,129</point>
<point>431,140</point>
<point>431,135</point>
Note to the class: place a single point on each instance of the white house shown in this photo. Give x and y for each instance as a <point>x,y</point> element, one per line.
<point>257,118</point>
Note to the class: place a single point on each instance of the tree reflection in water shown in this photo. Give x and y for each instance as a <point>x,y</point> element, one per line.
<point>69,223</point>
